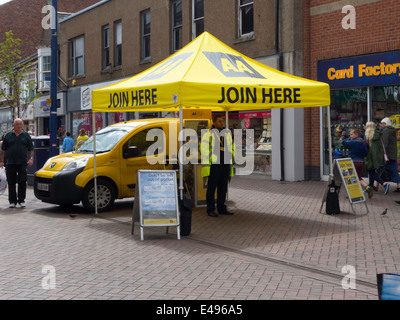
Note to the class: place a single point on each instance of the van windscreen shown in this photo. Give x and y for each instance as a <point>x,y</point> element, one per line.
<point>106,139</point>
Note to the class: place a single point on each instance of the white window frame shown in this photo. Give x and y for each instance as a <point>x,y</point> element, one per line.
<point>175,28</point>
<point>43,84</point>
<point>146,37</point>
<point>196,20</point>
<point>117,42</point>
<point>75,56</point>
<point>242,7</point>
<point>105,35</point>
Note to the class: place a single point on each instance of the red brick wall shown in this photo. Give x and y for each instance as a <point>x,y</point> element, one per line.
<point>377,30</point>
<point>24,18</point>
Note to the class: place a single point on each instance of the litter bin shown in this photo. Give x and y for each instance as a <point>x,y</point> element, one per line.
<point>41,144</point>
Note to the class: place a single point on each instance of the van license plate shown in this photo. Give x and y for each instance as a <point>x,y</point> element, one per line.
<point>43,186</point>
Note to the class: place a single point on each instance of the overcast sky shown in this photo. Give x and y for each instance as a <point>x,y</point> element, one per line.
<point>4,1</point>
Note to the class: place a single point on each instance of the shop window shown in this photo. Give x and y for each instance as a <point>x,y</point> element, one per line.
<point>140,144</point>
<point>83,120</point>
<point>176,25</point>
<point>348,110</point>
<point>146,19</point>
<point>77,56</point>
<point>198,18</point>
<point>256,143</point>
<point>246,17</point>
<point>44,72</point>
<point>384,103</point>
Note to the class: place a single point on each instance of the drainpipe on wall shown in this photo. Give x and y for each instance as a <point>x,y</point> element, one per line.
<point>280,64</point>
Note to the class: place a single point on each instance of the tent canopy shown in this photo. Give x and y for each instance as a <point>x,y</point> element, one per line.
<point>208,74</point>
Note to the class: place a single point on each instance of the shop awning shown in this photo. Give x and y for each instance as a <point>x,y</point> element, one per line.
<point>209,74</point>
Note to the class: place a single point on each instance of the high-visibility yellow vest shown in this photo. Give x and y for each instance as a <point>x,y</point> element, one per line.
<point>208,157</point>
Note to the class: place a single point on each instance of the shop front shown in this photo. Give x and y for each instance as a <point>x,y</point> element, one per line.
<point>363,88</point>
<point>41,112</point>
<point>256,138</point>
<point>26,115</point>
<point>80,112</point>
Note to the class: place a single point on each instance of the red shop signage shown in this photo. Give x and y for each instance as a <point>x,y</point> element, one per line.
<point>263,114</point>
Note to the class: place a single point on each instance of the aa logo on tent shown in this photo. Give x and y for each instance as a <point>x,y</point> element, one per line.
<point>232,66</point>
<point>166,67</point>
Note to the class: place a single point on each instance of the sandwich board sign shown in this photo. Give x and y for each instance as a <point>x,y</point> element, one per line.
<point>156,200</point>
<point>350,180</point>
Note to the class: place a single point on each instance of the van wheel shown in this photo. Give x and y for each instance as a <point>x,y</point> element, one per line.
<point>105,196</point>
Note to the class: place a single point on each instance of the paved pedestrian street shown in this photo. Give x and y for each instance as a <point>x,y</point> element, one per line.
<point>277,246</point>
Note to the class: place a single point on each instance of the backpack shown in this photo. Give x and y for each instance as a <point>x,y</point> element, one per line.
<point>365,149</point>
<point>332,199</point>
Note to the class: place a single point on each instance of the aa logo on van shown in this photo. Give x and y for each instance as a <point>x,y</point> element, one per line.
<point>232,66</point>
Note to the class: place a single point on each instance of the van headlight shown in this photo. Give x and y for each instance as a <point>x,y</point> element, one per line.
<point>76,164</point>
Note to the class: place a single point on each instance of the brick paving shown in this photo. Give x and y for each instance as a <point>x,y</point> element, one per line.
<point>277,246</point>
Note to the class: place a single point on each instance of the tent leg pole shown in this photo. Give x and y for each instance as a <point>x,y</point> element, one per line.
<point>180,155</point>
<point>94,161</point>
<point>328,110</point>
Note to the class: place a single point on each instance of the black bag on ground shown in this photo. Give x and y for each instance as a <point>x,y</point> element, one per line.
<point>332,199</point>
<point>185,207</point>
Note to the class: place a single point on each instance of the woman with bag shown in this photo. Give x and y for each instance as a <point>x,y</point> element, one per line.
<point>389,139</point>
<point>376,156</point>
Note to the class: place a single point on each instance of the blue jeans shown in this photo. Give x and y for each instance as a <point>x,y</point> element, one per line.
<point>391,165</point>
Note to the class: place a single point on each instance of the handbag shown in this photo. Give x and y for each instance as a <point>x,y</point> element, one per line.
<point>3,180</point>
<point>384,173</point>
<point>384,151</point>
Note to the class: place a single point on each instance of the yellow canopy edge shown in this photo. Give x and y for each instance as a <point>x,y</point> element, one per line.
<point>208,74</point>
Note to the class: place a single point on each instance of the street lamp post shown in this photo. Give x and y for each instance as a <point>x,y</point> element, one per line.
<point>54,77</point>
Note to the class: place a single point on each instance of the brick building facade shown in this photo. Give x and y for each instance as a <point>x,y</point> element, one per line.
<point>328,44</point>
<point>104,44</point>
<point>24,18</point>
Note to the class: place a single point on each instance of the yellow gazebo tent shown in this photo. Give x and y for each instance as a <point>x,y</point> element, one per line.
<point>208,74</point>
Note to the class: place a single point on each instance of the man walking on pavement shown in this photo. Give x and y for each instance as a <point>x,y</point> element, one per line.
<point>217,151</point>
<point>68,143</point>
<point>16,145</point>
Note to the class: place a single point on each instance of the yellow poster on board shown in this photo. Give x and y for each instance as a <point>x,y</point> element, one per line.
<point>350,180</point>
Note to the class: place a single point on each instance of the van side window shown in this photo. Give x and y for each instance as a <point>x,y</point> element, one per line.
<point>137,145</point>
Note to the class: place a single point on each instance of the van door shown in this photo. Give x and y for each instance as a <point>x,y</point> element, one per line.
<point>134,157</point>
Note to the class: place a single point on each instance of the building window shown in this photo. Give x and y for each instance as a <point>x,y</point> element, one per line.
<point>118,44</point>
<point>246,17</point>
<point>106,46</point>
<point>77,56</point>
<point>176,25</point>
<point>44,69</point>
<point>146,19</point>
<point>198,18</point>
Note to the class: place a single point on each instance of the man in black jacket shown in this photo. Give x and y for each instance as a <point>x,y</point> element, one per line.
<point>16,145</point>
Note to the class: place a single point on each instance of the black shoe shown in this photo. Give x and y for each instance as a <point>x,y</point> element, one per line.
<point>227,213</point>
<point>212,214</point>
<point>398,202</point>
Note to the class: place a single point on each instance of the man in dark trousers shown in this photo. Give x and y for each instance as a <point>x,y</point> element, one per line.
<point>16,145</point>
<point>217,153</point>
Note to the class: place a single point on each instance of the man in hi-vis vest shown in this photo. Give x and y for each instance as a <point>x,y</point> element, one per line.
<point>217,151</point>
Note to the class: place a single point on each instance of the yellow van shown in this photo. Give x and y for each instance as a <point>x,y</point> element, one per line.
<point>121,150</point>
